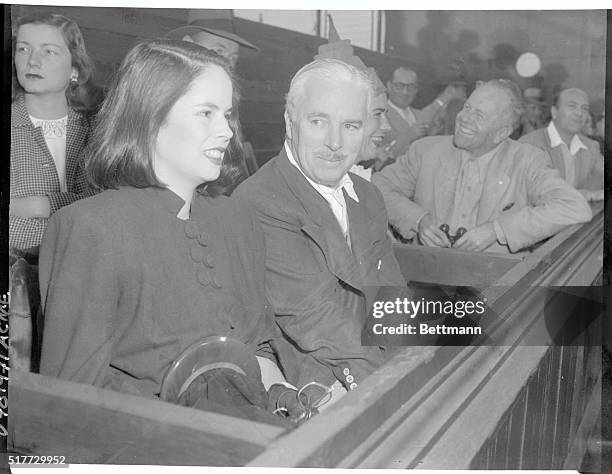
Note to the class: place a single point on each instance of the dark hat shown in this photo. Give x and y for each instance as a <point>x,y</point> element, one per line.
<point>209,353</point>
<point>197,23</point>
<point>180,33</point>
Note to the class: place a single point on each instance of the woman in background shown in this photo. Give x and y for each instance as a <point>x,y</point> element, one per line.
<point>133,276</point>
<point>52,97</point>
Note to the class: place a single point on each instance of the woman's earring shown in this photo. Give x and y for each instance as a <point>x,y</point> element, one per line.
<point>74,79</point>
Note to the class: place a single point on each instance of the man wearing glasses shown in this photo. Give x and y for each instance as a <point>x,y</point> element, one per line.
<point>409,124</point>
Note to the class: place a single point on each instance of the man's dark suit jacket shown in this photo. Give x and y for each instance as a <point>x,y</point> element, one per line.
<point>316,284</point>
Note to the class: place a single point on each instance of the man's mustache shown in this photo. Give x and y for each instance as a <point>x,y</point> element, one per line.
<point>330,156</point>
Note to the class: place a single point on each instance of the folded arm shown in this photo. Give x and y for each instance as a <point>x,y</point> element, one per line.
<point>397,183</point>
<point>554,204</point>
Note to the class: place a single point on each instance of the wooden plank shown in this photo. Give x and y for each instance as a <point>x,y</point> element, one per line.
<point>511,455</point>
<point>263,113</point>
<point>91,425</point>
<point>519,438</point>
<point>502,438</point>
<point>336,434</point>
<point>543,379</point>
<point>580,397</point>
<point>97,43</point>
<point>480,460</point>
<point>584,432</point>
<point>472,426</point>
<point>526,423</point>
<point>550,407</point>
<point>143,22</point>
<point>561,434</point>
<point>535,403</point>
<point>452,266</point>
<point>441,424</point>
<point>262,90</point>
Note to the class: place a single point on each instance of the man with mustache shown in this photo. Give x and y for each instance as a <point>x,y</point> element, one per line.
<point>325,228</point>
<point>576,156</point>
<point>503,192</point>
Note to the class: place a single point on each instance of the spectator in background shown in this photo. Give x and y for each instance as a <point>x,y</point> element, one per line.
<point>577,157</point>
<point>503,192</point>
<point>407,123</point>
<point>53,95</point>
<point>533,117</point>
<point>224,43</point>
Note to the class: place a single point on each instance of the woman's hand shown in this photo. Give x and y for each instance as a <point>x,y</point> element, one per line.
<point>31,206</point>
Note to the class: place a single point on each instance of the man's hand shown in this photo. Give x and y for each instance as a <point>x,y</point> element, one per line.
<point>430,233</point>
<point>477,239</point>
<point>29,207</point>
<point>417,131</point>
<point>452,92</point>
<point>593,195</point>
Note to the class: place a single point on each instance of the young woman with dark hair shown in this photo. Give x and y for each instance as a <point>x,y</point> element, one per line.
<point>136,275</point>
<point>50,127</point>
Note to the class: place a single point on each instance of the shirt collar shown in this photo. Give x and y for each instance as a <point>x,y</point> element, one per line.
<point>21,118</point>
<point>161,198</point>
<point>401,111</point>
<point>327,192</point>
<point>482,161</point>
<point>555,139</point>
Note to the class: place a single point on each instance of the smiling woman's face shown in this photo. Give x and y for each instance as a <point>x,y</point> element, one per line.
<point>42,59</point>
<point>192,140</point>
<point>376,127</point>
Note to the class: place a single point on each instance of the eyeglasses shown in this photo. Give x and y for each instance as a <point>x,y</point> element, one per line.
<point>401,86</point>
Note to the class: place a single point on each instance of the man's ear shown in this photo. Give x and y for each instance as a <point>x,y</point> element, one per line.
<point>288,126</point>
<point>502,133</point>
<point>188,38</point>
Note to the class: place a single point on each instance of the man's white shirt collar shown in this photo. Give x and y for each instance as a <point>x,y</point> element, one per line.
<point>392,105</point>
<point>327,192</point>
<point>555,139</point>
<point>407,113</point>
<point>482,161</point>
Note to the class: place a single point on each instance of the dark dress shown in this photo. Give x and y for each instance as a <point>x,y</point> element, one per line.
<point>127,286</point>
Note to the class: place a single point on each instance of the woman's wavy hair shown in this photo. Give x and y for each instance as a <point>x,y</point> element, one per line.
<point>83,95</point>
<point>151,79</point>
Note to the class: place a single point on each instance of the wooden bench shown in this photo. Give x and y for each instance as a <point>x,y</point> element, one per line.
<point>513,405</point>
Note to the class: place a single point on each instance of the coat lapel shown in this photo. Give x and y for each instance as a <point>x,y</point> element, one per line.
<point>321,225</point>
<point>445,181</point>
<point>496,184</point>
<point>76,136</point>
<point>556,156</point>
<point>397,121</point>
<point>363,221</point>
<point>37,134</point>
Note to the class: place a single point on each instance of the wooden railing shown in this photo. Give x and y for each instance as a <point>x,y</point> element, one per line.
<point>509,405</point>
<point>468,407</point>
